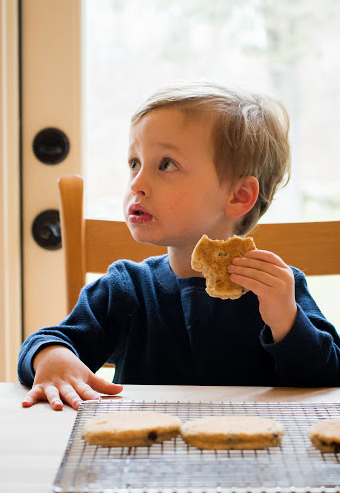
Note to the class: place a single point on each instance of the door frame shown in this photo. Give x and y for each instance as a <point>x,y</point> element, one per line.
<point>51,61</point>
<point>10,208</point>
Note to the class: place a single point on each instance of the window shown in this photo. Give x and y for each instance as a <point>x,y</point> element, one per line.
<point>289,49</point>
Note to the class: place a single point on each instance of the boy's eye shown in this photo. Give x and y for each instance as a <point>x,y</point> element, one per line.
<point>134,165</point>
<point>168,165</point>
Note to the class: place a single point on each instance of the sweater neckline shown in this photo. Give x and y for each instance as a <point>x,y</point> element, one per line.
<point>169,280</point>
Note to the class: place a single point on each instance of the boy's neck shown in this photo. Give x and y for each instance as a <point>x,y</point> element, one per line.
<point>180,262</point>
<point>180,256</point>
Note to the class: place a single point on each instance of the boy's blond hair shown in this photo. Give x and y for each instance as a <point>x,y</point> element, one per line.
<point>250,135</point>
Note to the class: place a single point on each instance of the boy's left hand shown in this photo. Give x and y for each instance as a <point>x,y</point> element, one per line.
<point>272,281</point>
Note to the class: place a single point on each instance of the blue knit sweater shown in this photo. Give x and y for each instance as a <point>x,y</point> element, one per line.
<point>161,329</point>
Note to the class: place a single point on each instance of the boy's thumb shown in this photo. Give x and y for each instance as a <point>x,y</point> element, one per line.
<point>101,385</point>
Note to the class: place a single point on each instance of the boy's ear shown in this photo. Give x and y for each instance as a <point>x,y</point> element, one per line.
<point>242,197</point>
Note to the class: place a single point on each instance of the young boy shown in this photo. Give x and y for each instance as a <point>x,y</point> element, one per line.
<point>202,159</point>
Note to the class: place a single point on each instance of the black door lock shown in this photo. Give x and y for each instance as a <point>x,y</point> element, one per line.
<point>46,230</point>
<point>51,146</point>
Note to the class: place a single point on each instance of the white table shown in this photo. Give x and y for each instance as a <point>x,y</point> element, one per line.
<point>33,440</point>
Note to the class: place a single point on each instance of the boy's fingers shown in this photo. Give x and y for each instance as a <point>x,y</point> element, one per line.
<point>28,401</point>
<point>34,395</point>
<point>253,275</point>
<point>85,391</point>
<point>254,264</point>
<point>105,387</point>
<point>69,395</point>
<point>53,397</point>
<point>250,284</point>
<point>266,256</point>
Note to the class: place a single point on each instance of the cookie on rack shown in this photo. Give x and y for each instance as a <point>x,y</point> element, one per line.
<point>325,435</point>
<point>232,432</point>
<point>130,429</point>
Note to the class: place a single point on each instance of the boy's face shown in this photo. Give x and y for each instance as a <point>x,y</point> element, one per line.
<point>173,195</point>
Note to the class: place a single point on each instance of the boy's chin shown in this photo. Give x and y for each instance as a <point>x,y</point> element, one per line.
<point>144,238</point>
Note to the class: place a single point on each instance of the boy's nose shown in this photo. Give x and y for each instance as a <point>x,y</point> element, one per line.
<point>139,185</point>
<point>139,192</point>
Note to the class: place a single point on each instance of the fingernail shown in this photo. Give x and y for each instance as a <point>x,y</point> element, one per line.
<point>26,402</point>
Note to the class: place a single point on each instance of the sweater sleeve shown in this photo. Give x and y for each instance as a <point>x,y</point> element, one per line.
<point>309,355</point>
<point>89,330</point>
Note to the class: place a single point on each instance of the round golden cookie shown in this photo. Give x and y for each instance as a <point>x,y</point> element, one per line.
<point>325,435</point>
<point>232,432</point>
<point>130,428</point>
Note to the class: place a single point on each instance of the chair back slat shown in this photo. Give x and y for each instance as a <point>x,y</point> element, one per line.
<point>91,245</point>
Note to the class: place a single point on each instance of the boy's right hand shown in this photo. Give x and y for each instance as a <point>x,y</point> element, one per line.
<point>61,376</point>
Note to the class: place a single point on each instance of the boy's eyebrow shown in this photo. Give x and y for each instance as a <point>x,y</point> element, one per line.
<point>167,145</point>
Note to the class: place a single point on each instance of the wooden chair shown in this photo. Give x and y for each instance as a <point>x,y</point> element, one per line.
<point>91,245</point>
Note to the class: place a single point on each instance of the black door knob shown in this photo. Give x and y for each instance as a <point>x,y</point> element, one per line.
<point>46,230</point>
<point>51,146</point>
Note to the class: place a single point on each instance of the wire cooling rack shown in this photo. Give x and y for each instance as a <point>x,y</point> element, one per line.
<point>173,466</point>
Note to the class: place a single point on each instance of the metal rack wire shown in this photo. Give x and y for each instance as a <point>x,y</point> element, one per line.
<point>173,466</point>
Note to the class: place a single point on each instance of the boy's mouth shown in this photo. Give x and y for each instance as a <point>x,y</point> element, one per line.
<point>138,214</point>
